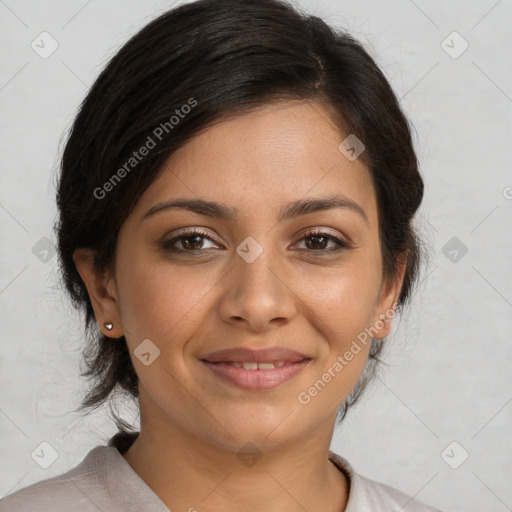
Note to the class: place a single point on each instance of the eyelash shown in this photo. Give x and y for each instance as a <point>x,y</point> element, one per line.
<point>168,245</point>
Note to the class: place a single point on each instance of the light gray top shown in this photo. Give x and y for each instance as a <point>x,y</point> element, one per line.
<point>105,482</point>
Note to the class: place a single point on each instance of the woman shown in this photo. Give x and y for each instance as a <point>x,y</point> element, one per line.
<point>236,202</point>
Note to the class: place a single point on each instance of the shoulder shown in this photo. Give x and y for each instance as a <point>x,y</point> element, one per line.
<point>78,489</point>
<point>367,494</point>
<point>102,482</point>
<point>376,493</point>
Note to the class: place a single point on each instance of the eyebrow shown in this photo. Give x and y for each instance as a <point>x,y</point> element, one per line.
<point>289,211</point>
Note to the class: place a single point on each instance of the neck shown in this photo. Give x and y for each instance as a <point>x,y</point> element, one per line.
<point>190,474</point>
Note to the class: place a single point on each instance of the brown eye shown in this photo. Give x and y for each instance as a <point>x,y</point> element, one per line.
<point>193,241</point>
<point>190,241</point>
<point>317,241</point>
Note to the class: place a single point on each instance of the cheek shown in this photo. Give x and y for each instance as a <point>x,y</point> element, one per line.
<point>340,314</point>
<point>341,301</point>
<point>342,304</point>
<point>157,300</point>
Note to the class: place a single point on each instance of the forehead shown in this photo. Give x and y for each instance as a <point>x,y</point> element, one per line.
<point>265,158</point>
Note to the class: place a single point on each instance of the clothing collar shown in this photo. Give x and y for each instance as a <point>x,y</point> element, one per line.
<point>121,442</point>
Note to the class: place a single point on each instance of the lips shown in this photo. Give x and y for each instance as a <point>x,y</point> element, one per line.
<point>253,365</point>
<point>244,355</point>
<point>256,370</point>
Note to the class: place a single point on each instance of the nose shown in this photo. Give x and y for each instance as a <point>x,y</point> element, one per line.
<point>258,294</point>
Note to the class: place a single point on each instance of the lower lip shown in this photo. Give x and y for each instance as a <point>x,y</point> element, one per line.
<point>257,380</point>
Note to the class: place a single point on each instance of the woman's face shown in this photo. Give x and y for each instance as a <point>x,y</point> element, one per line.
<point>254,279</point>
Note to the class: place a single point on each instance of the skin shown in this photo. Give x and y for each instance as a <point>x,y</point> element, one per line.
<point>193,424</point>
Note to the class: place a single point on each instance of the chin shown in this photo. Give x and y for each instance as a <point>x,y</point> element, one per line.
<point>266,429</point>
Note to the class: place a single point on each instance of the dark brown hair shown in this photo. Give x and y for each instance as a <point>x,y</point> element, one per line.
<point>224,57</point>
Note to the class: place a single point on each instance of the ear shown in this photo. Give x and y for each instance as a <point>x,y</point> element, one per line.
<point>388,298</point>
<point>102,292</point>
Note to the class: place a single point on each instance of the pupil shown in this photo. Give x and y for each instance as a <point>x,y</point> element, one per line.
<point>187,245</point>
<point>316,237</point>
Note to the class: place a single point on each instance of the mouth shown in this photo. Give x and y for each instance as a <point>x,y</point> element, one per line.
<point>254,365</point>
<point>256,370</point>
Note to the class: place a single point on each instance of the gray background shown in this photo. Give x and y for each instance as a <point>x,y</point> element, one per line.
<point>449,375</point>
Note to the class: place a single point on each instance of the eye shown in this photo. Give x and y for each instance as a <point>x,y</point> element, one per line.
<point>317,240</point>
<point>192,242</point>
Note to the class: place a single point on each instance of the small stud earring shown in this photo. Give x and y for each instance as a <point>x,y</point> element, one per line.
<point>108,326</point>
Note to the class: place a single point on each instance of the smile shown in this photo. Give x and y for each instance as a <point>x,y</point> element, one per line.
<point>251,365</point>
<point>256,376</point>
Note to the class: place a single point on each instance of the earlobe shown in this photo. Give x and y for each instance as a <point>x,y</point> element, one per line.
<point>101,292</point>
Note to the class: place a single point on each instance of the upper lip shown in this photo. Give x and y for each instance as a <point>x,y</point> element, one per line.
<point>242,355</point>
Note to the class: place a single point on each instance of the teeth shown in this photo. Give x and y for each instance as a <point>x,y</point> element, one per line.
<point>266,366</point>
<point>252,365</point>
